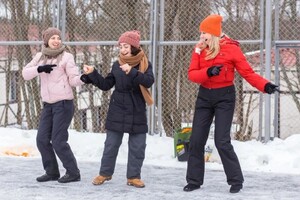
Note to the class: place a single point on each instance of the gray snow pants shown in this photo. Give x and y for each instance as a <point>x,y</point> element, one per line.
<point>136,153</point>
<point>52,137</point>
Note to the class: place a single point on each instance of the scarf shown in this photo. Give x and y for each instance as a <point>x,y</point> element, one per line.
<point>47,52</point>
<point>141,59</point>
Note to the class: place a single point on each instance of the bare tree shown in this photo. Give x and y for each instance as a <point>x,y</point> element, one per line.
<point>92,20</point>
<point>176,59</point>
<point>290,72</point>
<point>20,21</point>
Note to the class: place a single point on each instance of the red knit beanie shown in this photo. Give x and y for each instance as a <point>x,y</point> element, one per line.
<point>212,24</point>
<point>131,37</point>
<point>49,32</point>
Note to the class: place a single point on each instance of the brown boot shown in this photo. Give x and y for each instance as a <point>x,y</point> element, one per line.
<point>98,180</point>
<point>136,182</point>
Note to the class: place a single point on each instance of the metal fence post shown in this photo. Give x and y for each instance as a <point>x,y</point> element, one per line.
<point>160,66</point>
<point>63,20</point>
<point>153,40</point>
<point>268,46</point>
<point>277,99</point>
<point>261,58</point>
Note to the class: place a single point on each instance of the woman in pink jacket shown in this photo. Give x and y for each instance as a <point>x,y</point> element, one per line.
<point>213,64</point>
<point>58,74</point>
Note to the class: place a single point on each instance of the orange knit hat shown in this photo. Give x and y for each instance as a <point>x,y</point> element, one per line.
<point>212,24</point>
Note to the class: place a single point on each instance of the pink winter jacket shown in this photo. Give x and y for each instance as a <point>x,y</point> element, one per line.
<point>57,85</point>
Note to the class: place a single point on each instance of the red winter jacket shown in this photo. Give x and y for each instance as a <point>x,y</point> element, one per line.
<point>231,57</point>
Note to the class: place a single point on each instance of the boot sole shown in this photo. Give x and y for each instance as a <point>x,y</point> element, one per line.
<point>235,191</point>
<point>52,179</point>
<point>137,186</point>
<point>100,183</point>
<point>69,181</point>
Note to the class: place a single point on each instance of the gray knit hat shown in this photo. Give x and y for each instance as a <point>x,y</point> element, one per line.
<point>49,32</point>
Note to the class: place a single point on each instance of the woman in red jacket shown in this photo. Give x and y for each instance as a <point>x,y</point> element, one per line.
<point>212,65</point>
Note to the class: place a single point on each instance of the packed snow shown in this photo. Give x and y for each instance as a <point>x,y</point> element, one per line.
<point>271,170</point>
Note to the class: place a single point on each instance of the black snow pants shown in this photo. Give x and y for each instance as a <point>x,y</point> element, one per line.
<point>218,103</point>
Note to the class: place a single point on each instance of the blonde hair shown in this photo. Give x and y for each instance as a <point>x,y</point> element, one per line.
<point>214,48</point>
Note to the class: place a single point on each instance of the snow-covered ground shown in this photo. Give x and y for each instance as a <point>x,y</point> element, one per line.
<point>272,170</point>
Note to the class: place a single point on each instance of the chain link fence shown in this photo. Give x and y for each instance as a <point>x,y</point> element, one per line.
<point>169,31</point>
<point>286,56</point>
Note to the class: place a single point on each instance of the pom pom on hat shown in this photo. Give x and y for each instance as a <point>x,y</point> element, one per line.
<point>49,32</point>
<point>131,37</point>
<point>212,24</point>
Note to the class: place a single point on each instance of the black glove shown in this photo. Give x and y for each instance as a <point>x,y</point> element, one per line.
<point>85,78</point>
<point>45,68</point>
<point>214,70</point>
<point>270,88</point>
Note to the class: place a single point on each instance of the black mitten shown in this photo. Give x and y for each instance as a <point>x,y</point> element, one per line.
<point>214,70</point>
<point>45,68</point>
<point>85,78</point>
<point>270,88</point>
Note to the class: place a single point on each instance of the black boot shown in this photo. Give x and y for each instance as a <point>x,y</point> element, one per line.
<point>69,178</point>
<point>47,177</point>
<point>235,188</point>
<point>190,187</point>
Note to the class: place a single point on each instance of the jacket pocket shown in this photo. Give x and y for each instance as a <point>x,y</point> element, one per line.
<point>228,73</point>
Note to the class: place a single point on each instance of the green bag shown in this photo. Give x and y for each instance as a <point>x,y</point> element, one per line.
<point>181,143</point>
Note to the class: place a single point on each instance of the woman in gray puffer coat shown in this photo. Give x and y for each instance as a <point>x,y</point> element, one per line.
<point>131,76</point>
